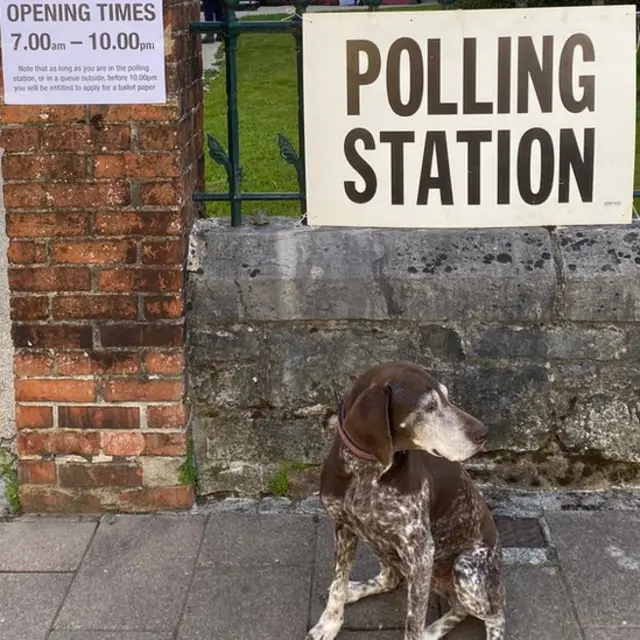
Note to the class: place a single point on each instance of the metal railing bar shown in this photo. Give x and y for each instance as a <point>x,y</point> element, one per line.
<point>243,27</point>
<point>200,196</point>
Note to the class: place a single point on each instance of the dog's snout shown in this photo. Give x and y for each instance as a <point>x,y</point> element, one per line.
<point>478,433</point>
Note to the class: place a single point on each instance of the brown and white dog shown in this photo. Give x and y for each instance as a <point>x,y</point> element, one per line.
<point>393,479</point>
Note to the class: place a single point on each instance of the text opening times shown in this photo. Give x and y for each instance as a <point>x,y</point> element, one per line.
<point>25,12</point>
<point>60,52</point>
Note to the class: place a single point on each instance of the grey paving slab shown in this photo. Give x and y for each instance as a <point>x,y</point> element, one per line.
<point>612,634</point>
<point>265,539</point>
<point>109,635</point>
<point>43,544</point>
<point>29,602</point>
<point>247,603</point>
<point>600,557</point>
<point>135,575</point>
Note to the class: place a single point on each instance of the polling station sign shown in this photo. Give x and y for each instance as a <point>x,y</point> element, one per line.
<point>514,117</point>
<point>89,52</point>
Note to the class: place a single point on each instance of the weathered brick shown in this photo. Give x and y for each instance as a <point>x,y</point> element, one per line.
<point>172,416</point>
<point>27,252</point>
<point>151,280</point>
<point>95,306</point>
<point>39,499</point>
<point>55,442</point>
<point>143,390</point>
<point>141,112</point>
<point>55,390</point>
<point>100,475</point>
<point>141,335</point>
<point>64,166</point>
<point>24,195</point>
<point>94,252</point>
<point>98,363</point>
<point>47,225</point>
<point>155,498</point>
<point>162,252</point>
<point>157,137</point>
<point>50,279</point>
<point>86,138</point>
<point>52,336</point>
<point>32,364</point>
<point>21,138</point>
<point>127,443</point>
<point>91,194</point>
<point>30,417</point>
<point>136,165</point>
<point>157,194</point>
<point>147,223</point>
<point>36,472</point>
<point>100,417</point>
<point>30,307</point>
<point>165,444</point>
<point>163,307</point>
<point>14,114</point>
<point>164,363</point>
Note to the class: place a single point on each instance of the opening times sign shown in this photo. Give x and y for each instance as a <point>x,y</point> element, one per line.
<point>93,52</point>
<point>470,118</point>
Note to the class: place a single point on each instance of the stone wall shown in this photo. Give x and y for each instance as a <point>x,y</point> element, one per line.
<point>98,210</point>
<point>535,331</point>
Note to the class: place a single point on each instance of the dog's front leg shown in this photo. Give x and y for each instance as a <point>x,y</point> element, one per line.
<point>419,587</point>
<point>331,620</point>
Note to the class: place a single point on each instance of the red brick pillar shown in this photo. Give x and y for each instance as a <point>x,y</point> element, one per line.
<point>98,213</point>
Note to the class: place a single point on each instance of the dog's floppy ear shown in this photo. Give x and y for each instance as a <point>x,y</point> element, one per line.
<point>368,423</point>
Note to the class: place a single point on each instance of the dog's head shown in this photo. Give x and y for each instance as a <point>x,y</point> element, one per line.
<point>398,406</point>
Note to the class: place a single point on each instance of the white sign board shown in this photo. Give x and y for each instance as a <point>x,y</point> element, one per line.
<point>470,118</point>
<point>89,52</point>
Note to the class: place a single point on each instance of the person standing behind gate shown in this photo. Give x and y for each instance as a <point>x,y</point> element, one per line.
<point>213,10</point>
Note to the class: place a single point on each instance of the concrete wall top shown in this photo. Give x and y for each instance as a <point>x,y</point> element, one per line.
<point>285,271</point>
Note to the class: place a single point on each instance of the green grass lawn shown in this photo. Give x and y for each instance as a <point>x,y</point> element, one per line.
<point>267,105</point>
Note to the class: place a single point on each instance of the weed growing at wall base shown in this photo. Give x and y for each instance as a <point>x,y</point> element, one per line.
<point>188,472</point>
<point>9,475</point>
<point>279,484</point>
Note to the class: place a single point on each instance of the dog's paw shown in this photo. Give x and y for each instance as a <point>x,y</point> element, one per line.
<point>324,631</point>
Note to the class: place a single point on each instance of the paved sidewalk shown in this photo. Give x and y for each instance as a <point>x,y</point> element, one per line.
<point>252,572</point>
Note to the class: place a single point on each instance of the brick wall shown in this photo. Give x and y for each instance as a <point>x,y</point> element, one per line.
<point>98,213</point>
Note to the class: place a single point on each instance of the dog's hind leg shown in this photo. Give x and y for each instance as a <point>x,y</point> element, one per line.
<point>479,589</point>
<point>443,625</point>
<point>495,627</point>
<point>387,580</point>
<point>332,618</point>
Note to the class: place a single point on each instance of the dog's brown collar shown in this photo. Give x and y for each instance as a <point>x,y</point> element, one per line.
<point>347,440</point>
